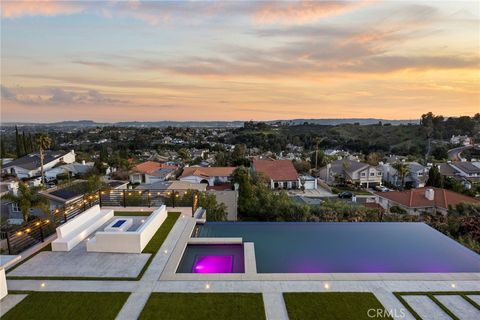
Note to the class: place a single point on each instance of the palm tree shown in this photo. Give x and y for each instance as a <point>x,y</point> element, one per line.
<point>26,199</point>
<point>402,171</point>
<point>44,142</point>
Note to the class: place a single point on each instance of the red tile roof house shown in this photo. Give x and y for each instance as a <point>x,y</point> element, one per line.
<point>151,172</point>
<point>209,175</point>
<point>282,173</point>
<point>428,199</point>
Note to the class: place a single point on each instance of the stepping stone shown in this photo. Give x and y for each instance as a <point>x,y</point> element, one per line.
<point>459,307</point>
<point>426,308</point>
<point>475,298</point>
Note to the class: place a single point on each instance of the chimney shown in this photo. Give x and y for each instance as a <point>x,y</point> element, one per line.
<point>429,194</point>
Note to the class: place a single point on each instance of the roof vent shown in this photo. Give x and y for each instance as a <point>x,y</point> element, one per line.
<point>430,194</point>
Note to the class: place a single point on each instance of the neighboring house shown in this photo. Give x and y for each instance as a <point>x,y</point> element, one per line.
<point>468,173</point>
<point>309,182</point>
<point>281,173</point>
<point>9,211</point>
<point>151,172</point>
<point>209,175</point>
<point>353,171</point>
<point>73,169</point>
<point>416,201</point>
<point>29,166</point>
<point>464,140</point>
<point>416,177</point>
<point>173,185</point>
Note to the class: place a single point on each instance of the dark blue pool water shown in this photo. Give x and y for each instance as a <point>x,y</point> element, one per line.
<point>118,223</point>
<point>286,247</point>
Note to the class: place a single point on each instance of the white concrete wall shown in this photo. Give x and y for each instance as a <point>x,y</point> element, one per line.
<point>128,241</point>
<point>77,229</point>
<point>3,284</point>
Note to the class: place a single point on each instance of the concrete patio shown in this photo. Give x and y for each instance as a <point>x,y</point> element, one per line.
<point>80,263</point>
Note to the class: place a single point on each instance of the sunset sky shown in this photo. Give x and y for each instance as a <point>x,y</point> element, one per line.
<point>193,60</point>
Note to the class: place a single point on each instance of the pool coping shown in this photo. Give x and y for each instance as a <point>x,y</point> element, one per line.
<point>169,273</point>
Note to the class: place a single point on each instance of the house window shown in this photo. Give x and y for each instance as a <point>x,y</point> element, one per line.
<point>372,174</point>
<point>15,207</point>
<point>364,174</point>
<point>379,173</point>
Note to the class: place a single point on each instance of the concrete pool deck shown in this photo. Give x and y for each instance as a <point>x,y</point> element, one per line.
<point>156,279</point>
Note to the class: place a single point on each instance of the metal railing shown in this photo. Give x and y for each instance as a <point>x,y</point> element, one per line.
<point>37,230</point>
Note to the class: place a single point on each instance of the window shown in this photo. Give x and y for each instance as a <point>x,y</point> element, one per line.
<point>363,174</point>
<point>372,174</point>
<point>15,207</point>
<point>379,173</point>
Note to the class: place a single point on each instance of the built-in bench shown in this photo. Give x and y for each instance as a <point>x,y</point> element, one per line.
<point>128,241</point>
<point>74,231</point>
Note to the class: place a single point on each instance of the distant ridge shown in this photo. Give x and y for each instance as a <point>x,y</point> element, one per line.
<point>211,124</point>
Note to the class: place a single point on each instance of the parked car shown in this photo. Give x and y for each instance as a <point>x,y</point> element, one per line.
<point>346,195</point>
<point>382,188</point>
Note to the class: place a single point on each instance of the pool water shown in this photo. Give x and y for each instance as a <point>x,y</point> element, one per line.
<point>118,223</point>
<point>291,247</point>
<point>212,259</point>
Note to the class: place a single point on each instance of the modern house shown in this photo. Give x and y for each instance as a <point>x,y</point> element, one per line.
<point>29,166</point>
<point>209,175</point>
<point>416,177</point>
<point>151,172</point>
<point>352,171</point>
<point>281,173</point>
<point>428,199</point>
<point>9,211</point>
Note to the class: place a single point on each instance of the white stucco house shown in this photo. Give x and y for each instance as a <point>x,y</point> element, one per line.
<point>29,166</point>
<point>209,175</point>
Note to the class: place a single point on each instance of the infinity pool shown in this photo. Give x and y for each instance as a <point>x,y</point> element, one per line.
<point>290,247</point>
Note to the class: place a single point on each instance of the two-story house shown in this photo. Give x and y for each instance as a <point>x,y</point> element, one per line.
<point>151,172</point>
<point>416,177</point>
<point>352,171</point>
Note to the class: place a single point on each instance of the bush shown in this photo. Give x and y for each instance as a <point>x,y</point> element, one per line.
<point>397,210</point>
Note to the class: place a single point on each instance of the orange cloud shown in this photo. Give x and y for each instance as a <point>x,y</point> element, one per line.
<point>14,9</point>
<point>303,11</point>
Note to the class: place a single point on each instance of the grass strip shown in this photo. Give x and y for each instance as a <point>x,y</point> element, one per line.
<point>334,306</point>
<point>204,306</point>
<point>68,305</point>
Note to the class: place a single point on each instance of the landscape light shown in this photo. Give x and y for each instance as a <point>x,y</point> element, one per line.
<point>42,285</point>
<point>19,233</point>
<point>326,286</point>
<point>207,286</point>
<point>158,193</point>
<point>28,230</point>
<point>47,221</point>
<point>37,224</point>
<point>165,251</point>
<point>143,221</point>
<point>453,285</point>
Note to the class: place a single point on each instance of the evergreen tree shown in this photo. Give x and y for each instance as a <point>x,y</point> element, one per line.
<point>435,178</point>
<point>25,144</point>
<point>19,144</point>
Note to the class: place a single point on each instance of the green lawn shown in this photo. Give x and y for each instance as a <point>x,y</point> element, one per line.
<point>332,305</point>
<point>132,213</point>
<point>204,306</point>
<point>162,233</point>
<point>68,306</point>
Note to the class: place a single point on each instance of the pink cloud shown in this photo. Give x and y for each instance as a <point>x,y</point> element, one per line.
<point>303,11</point>
<point>14,9</point>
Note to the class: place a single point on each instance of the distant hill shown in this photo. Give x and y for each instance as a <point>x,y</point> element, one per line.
<point>211,124</point>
